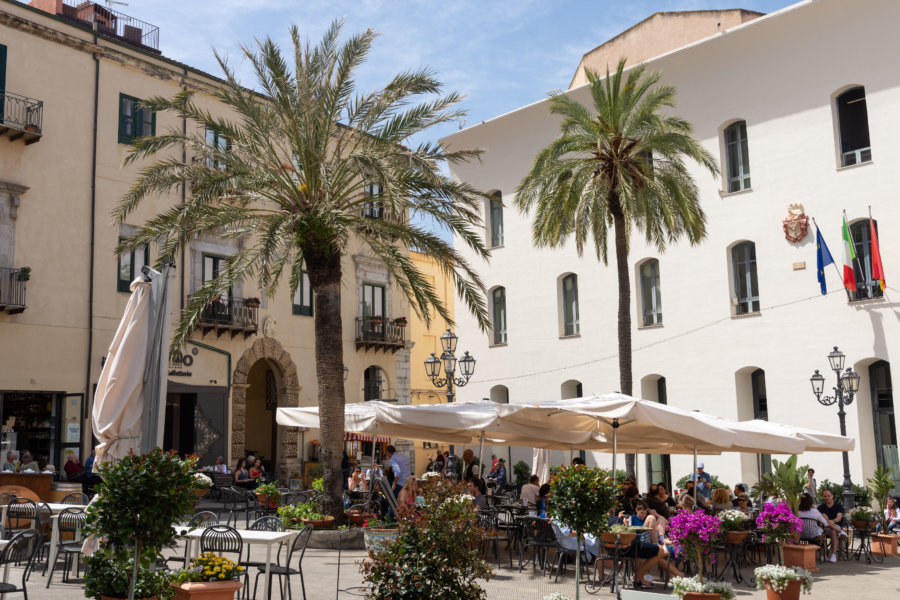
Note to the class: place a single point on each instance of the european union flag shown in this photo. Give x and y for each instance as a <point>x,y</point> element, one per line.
<point>823,259</point>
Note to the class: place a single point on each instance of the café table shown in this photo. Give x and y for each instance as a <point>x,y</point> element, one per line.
<point>55,509</point>
<point>864,534</point>
<point>251,537</point>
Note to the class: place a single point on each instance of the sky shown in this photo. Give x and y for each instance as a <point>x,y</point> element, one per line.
<point>500,55</point>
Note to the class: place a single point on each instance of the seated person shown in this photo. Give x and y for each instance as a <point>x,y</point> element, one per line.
<point>499,475</point>
<point>408,493</point>
<point>74,470</point>
<point>821,526</point>
<point>643,549</point>
<point>242,475</point>
<point>565,535</point>
<point>542,500</point>
<point>700,499</point>
<point>738,490</point>
<point>220,466</point>
<point>627,501</point>
<point>475,488</point>
<point>356,482</point>
<point>721,500</point>
<point>686,502</point>
<point>12,462</point>
<point>256,469</point>
<point>665,497</point>
<point>891,515</point>
<point>531,491</point>
<point>657,506</point>
<point>28,465</point>
<point>834,512</point>
<point>743,503</point>
<point>657,527</point>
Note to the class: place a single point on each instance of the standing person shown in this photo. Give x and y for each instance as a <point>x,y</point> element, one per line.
<point>494,463</point>
<point>399,466</point>
<point>500,474</point>
<point>440,464</point>
<point>834,512</point>
<point>471,470</point>
<point>703,480</point>
<point>374,471</point>
<point>810,486</point>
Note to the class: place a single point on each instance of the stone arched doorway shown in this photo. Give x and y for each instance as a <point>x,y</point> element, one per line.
<point>288,391</point>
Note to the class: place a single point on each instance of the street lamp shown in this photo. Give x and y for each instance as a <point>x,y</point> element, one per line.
<point>844,391</point>
<point>449,363</point>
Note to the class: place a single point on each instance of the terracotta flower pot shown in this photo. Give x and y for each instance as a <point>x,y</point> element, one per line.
<point>207,590</point>
<point>102,597</point>
<point>200,492</point>
<point>702,596</point>
<point>885,543</point>
<point>267,501</point>
<point>625,539</point>
<point>860,525</point>
<point>325,523</point>
<point>791,592</point>
<point>736,537</point>
<point>800,555</point>
<point>358,518</point>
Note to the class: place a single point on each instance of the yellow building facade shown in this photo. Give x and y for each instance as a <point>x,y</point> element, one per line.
<point>70,74</point>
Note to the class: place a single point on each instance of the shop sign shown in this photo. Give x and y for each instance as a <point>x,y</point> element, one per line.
<point>179,365</point>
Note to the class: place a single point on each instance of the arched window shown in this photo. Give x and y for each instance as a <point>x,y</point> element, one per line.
<point>570,304</point>
<point>571,389</point>
<point>746,286</point>
<point>853,127</point>
<point>866,286</point>
<point>883,413</point>
<point>500,394</point>
<point>737,157</point>
<point>651,297</point>
<point>498,312</point>
<point>372,384</point>
<point>495,219</point>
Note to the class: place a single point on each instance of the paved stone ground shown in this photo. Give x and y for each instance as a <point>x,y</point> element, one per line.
<point>843,580</point>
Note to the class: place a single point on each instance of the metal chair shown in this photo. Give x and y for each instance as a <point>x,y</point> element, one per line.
<point>268,523</point>
<point>21,549</point>
<point>242,501</point>
<point>298,545</point>
<point>70,521</point>
<point>222,539</point>
<point>494,534</point>
<point>5,497</point>
<point>539,536</point>
<point>203,518</point>
<point>75,498</point>
<point>21,514</point>
<point>814,533</point>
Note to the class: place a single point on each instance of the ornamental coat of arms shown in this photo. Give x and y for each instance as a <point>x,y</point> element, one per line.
<point>796,224</point>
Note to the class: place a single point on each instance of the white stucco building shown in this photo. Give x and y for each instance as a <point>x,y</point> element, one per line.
<point>808,98</point>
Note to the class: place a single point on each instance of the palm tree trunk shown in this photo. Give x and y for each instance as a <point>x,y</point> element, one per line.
<point>325,278</point>
<point>625,383</point>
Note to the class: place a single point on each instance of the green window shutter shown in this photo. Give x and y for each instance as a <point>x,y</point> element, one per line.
<point>133,121</point>
<point>2,79</point>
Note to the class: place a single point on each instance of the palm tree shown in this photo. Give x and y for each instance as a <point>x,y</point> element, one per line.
<point>618,163</point>
<point>290,183</point>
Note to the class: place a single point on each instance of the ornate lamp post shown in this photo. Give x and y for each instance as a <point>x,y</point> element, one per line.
<point>844,391</point>
<point>448,360</point>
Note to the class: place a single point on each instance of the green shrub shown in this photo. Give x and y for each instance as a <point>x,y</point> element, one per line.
<point>522,472</point>
<point>862,496</point>
<point>109,574</point>
<point>714,484</point>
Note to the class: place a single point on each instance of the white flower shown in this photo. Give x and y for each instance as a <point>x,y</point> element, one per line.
<point>430,474</point>
<point>779,577</point>
<point>202,481</point>
<point>555,596</point>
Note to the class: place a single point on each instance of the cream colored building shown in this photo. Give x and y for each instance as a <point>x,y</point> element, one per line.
<point>804,100</point>
<point>70,72</point>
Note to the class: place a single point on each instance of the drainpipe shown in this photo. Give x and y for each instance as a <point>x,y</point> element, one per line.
<point>90,324</point>
<point>183,198</point>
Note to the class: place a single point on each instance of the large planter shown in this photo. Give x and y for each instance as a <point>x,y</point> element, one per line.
<point>376,540</point>
<point>358,518</point>
<point>625,539</point>
<point>325,523</point>
<point>701,596</point>
<point>885,543</point>
<point>736,537</point>
<point>862,525</point>
<point>791,592</point>
<point>200,492</point>
<point>207,590</point>
<point>800,555</point>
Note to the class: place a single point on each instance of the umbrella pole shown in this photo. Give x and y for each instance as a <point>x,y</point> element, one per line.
<point>481,457</point>
<point>615,426</point>
<point>695,475</point>
<point>372,483</point>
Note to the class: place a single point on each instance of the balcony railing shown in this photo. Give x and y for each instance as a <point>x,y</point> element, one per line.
<point>12,290</point>
<point>21,117</point>
<point>113,23</point>
<point>232,316</point>
<point>380,334</point>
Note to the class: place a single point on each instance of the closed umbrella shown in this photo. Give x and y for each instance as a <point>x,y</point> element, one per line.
<point>540,464</point>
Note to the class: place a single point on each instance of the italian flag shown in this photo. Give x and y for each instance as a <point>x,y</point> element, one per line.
<point>849,257</point>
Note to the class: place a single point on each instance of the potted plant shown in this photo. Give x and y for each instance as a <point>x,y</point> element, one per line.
<point>359,517</point>
<point>779,526</point>
<point>787,481</point>
<point>268,494</point>
<point>209,577</point>
<point>882,484</point>
<point>733,522</point>
<point>861,517</point>
<point>202,485</point>
<point>138,501</point>
<point>251,302</point>
<point>694,535</point>
<point>377,535</point>
<point>24,273</point>
<point>621,533</point>
<point>693,588</point>
<point>581,497</point>
<point>783,583</point>
<point>400,321</point>
<point>302,514</point>
<point>437,552</point>
<point>375,319</point>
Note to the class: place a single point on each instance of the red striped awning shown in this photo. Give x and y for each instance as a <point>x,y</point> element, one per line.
<point>364,437</point>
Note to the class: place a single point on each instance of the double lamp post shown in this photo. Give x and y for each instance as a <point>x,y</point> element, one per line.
<point>448,360</point>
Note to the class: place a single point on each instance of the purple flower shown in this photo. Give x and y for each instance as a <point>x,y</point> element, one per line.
<point>778,523</point>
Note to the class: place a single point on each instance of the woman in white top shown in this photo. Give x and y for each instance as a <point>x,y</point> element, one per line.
<point>808,511</point>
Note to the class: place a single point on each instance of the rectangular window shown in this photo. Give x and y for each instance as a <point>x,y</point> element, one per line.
<point>373,300</point>
<point>738,157</point>
<point>303,297</point>
<point>570,305</point>
<point>220,143</point>
<point>498,300</point>
<point>853,122</point>
<point>134,122</point>
<point>2,78</point>
<point>651,296</point>
<point>212,267</point>
<point>374,209</point>
<point>746,286</point>
<point>496,223</point>
<point>130,264</point>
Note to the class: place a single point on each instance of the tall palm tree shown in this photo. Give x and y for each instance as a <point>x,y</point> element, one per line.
<point>619,163</point>
<point>290,183</point>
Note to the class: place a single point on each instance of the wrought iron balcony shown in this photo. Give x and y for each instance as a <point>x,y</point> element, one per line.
<point>379,333</point>
<point>12,290</point>
<point>20,117</point>
<point>113,23</point>
<point>230,315</point>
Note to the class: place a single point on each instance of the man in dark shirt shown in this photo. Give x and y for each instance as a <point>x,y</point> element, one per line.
<point>500,474</point>
<point>834,512</point>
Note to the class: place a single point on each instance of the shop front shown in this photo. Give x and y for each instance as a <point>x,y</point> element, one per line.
<point>47,424</point>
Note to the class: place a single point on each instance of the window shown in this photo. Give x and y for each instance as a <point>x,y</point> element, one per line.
<point>213,266</point>
<point>2,77</point>
<point>659,466</point>
<point>737,157</point>
<point>372,384</point>
<point>218,142</point>
<point>130,264</point>
<point>746,286</point>
<point>134,122</point>
<point>853,124</point>
<point>496,219</point>
<point>374,209</point>
<point>761,412</point>
<point>373,300</point>
<point>570,304</point>
<point>882,393</point>
<point>498,310</point>
<point>866,286</point>
<point>651,298</point>
<point>303,297</point>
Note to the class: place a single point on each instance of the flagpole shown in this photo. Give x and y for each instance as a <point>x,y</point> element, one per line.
<point>834,264</point>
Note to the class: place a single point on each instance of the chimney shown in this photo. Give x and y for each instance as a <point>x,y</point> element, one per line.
<point>54,7</point>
